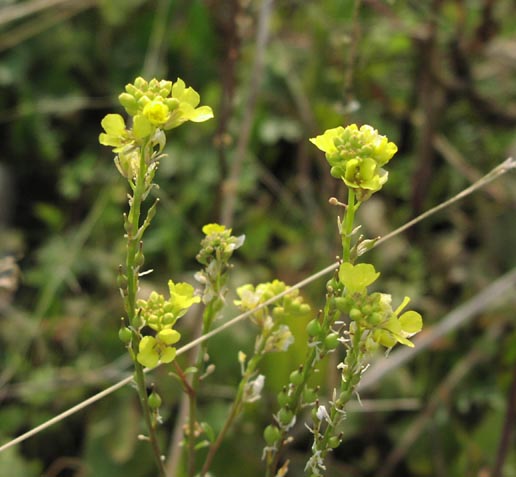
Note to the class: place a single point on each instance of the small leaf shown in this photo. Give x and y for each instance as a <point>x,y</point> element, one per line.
<point>202,444</point>
<point>208,430</point>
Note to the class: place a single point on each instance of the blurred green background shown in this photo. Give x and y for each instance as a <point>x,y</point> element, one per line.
<point>437,77</point>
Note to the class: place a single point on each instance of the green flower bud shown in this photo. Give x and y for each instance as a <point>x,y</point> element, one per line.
<point>172,103</point>
<point>129,102</point>
<point>140,83</point>
<point>143,101</point>
<point>333,442</point>
<point>271,435</point>
<point>278,312</point>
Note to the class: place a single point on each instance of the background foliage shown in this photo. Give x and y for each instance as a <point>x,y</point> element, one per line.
<point>436,77</point>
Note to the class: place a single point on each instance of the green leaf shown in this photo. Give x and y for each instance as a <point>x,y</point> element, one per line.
<point>208,430</point>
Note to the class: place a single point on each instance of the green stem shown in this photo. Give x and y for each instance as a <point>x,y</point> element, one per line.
<point>350,379</point>
<point>133,223</point>
<point>349,221</point>
<point>139,377</point>
<point>132,270</point>
<point>236,407</point>
<point>309,367</point>
<point>208,316</point>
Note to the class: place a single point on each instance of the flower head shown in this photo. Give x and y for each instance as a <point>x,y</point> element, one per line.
<point>152,350</point>
<point>158,313</point>
<point>154,106</point>
<point>357,155</point>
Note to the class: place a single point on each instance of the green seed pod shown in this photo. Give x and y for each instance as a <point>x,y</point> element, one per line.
<point>367,310</point>
<point>343,304</point>
<point>355,314</point>
<point>375,318</point>
<point>283,398</point>
<point>296,377</point>
<point>314,328</point>
<point>121,281</point>
<point>271,434</point>
<point>309,395</point>
<point>154,400</point>
<point>285,416</point>
<point>331,341</point>
<point>139,259</point>
<point>334,442</point>
<point>125,335</point>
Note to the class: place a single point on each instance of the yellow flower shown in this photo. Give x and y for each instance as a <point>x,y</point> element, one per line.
<point>156,112</point>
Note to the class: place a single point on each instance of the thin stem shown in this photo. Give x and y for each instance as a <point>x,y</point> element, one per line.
<point>236,407</point>
<point>139,378</point>
<point>207,319</point>
<point>348,226</point>
<point>132,268</point>
<point>350,379</point>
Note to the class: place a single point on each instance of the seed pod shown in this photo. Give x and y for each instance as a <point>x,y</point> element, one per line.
<point>314,328</point>
<point>271,434</point>
<point>154,400</point>
<point>125,335</point>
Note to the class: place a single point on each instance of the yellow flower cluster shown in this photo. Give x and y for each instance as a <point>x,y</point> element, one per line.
<point>357,155</point>
<point>154,106</point>
<point>161,315</point>
<point>374,311</point>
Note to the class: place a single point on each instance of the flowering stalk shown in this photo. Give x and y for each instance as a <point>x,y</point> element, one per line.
<point>217,247</point>
<point>356,156</point>
<point>147,331</point>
